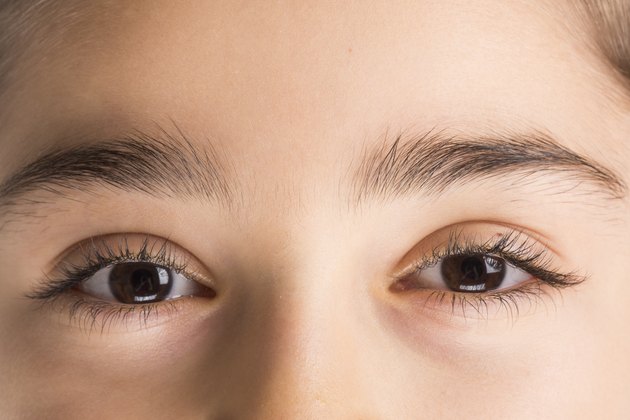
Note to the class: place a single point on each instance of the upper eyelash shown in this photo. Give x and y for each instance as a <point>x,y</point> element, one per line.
<point>100,253</point>
<point>97,254</point>
<point>515,247</point>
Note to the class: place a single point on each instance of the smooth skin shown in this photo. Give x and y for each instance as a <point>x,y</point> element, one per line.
<point>305,324</point>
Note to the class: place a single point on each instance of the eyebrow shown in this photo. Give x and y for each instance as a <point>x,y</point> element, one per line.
<point>433,161</point>
<point>166,165</point>
<point>428,163</point>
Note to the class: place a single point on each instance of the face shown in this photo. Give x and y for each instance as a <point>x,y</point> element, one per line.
<point>266,210</point>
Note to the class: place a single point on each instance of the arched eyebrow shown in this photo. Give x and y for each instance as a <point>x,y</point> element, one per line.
<point>430,162</point>
<point>165,165</point>
<point>427,164</point>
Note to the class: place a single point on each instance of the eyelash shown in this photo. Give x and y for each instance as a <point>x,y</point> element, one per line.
<point>96,255</point>
<point>515,248</point>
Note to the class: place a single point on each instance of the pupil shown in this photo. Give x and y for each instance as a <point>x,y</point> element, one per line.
<point>143,282</point>
<point>138,282</point>
<point>472,268</point>
<point>473,273</point>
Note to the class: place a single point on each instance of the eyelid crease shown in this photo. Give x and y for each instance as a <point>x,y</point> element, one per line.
<point>510,301</point>
<point>97,253</point>
<point>515,247</point>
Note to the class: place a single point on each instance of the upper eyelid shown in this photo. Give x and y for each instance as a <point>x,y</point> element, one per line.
<point>98,252</point>
<point>539,265</point>
<point>159,242</point>
<point>459,239</point>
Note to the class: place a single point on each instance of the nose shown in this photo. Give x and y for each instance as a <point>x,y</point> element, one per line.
<point>314,363</point>
<point>308,336</point>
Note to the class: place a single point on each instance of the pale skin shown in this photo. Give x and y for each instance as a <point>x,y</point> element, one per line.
<point>305,322</point>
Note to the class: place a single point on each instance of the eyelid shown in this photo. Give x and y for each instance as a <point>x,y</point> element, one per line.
<point>84,259</point>
<point>57,293</point>
<point>449,307</point>
<point>511,244</point>
<point>430,248</point>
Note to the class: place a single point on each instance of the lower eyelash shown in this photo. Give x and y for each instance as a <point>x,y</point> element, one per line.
<point>94,315</point>
<point>484,306</point>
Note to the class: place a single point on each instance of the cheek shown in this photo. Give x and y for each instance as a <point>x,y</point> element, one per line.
<point>532,363</point>
<point>165,368</point>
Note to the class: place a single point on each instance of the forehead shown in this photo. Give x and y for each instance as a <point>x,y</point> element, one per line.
<point>310,78</point>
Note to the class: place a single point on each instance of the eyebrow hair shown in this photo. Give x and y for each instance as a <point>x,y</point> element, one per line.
<point>427,163</point>
<point>433,161</point>
<point>166,165</point>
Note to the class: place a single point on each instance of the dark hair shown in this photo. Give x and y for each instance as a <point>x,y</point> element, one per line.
<point>608,24</point>
<point>29,28</point>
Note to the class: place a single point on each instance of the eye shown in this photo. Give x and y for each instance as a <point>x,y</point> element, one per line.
<point>141,282</point>
<point>467,273</point>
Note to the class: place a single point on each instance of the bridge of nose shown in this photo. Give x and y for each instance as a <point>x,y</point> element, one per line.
<point>311,330</point>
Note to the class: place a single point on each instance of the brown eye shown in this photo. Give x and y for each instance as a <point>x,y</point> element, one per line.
<point>473,273</point>
<point>464,273</point>
<point>141,282</point>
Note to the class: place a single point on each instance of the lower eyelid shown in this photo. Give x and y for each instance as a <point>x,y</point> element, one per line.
<point>60,296</point>
<point>91,315</point>
<point>447,307</point>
